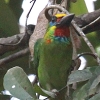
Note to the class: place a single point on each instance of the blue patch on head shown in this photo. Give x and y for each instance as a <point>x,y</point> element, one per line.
<point>52,24</point>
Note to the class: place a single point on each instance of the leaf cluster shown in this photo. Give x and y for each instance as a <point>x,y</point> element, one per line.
<point>88,83</point>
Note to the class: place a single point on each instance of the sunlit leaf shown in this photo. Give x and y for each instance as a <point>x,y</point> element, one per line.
<point>7,1</point>
<point>78,8</point>
<point>17,82</point>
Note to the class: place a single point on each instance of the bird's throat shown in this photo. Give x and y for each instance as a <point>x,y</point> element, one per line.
<point>60,34</point>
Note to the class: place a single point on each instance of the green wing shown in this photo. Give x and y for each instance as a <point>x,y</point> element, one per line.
<point>36,55</point>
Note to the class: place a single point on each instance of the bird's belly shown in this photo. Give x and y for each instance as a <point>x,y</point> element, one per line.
<point>53,66</point>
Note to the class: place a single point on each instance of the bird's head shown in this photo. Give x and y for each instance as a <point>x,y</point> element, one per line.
<point>59,28</point>
<point>61,19</point>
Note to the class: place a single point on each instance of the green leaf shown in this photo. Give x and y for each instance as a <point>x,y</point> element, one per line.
<point>96,97</point>
<point>79,75</point>
<point>96,4</point>
<point>95,82</point>
<point>78,8</point>
<point>84,91</point>
<point>97,70</point>
<point>51,94</point>
<point>38,90</point>
<point>18,84</point>
<point>15,6</point>
<point>43,92</point>
<point>92,69</point>
<point>96,75</point>
<point>81,93</point>
<point>8,21</point>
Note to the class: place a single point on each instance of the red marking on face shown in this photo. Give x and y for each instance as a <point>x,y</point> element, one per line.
<point>62,31</point>
<point>58,19</point>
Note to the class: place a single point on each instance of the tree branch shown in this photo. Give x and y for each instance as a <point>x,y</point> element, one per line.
<point>14,56</point>
<point>86,19</point>
<point>11,40</point>
<point>20,40</point>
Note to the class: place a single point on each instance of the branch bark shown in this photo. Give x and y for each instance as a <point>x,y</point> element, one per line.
<point>85,19</point>
<point>15,42</point>
<point>11,40</point>
<point>14,56</point>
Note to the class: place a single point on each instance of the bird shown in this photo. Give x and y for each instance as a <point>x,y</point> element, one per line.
<point>53,55</point>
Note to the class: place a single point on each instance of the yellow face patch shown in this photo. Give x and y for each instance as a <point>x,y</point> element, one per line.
<point>60,15</point>
<point>50,32</point>
<point>49,36</point>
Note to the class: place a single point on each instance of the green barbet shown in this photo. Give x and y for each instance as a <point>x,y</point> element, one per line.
<point>53,55</point>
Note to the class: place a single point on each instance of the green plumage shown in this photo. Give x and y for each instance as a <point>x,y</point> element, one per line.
<point>52,60</point>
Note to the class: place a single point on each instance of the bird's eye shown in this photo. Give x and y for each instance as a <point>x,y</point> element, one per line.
<point>53,19</point>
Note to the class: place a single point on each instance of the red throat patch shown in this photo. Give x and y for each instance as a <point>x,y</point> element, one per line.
<point>62,31</point>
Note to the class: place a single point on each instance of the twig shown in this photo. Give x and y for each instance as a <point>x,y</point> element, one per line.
<point>29,12</point>
<point>75,46</point>
<point>80,32</point>
<point>86,53</point>
<point>21,39</point>
<point>73,43</point>
<point>12,40</point>
<point>31,1</point>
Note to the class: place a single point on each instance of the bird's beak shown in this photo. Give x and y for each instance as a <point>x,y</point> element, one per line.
<point>66,20</point>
